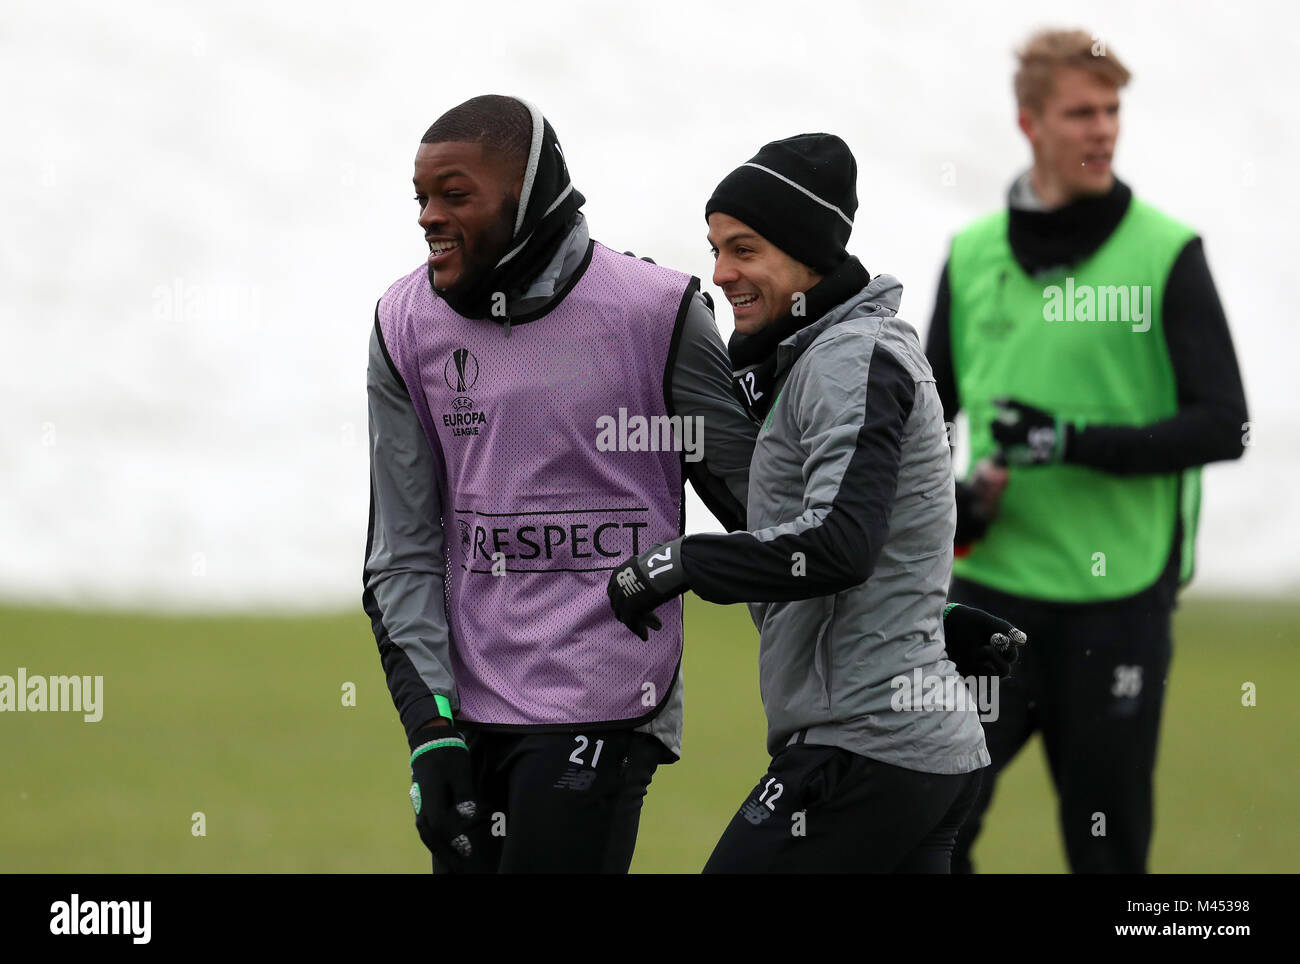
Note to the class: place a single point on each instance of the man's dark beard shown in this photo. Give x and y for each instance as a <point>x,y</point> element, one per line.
<point>553,202</point>
<point>477,269</point>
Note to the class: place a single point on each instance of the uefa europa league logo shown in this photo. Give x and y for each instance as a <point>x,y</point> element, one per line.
<point>465,366</point>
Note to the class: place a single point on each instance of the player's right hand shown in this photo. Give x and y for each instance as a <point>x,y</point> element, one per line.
<point>442,793</point>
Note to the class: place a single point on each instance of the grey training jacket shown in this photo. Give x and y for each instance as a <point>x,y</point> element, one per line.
<point>847,563</point>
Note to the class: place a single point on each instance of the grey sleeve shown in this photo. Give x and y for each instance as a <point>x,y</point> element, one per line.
<point>700,386</point>
<point>851,400</point>
<point>404,571</point>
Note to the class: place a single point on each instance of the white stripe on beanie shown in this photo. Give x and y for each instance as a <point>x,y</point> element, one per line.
<point>803,190</point>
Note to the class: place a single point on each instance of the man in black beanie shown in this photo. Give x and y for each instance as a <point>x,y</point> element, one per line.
<point>875,737</point>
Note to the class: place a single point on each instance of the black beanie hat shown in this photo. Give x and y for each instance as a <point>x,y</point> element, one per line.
<point>800,194</point>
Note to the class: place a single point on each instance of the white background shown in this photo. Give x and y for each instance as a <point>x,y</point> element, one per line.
<point>257,157</point>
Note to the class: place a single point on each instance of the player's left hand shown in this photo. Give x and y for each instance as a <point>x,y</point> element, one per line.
<point>979,643</point>
<point>1029,436</point>
<point>643,583</point>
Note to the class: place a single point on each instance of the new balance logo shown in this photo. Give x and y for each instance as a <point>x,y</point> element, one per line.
<point>575,780</point>
<point>629,583</point>
<point>755,812</point>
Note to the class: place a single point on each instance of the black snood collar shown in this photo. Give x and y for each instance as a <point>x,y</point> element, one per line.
<point>547,203</point>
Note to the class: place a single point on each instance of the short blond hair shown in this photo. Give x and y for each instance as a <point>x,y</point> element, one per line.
<point>1049,50</point>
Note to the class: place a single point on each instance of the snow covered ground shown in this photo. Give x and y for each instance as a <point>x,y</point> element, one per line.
<point>201,206</point>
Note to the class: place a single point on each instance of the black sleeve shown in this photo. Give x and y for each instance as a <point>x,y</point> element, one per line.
<point>1211,418</point>
<point>698,386</point>
<point>938,349</point>
<point>846,405</point>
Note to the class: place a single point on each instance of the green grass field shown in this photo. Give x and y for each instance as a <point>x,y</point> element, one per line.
<point>242,720</point>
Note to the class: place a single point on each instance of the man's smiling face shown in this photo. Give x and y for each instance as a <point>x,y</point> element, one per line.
<point>468,202</point>
<point>758,278</point>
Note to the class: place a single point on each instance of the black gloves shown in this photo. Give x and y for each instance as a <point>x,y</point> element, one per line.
<point>980,644</point>
<point>645,582</point>
<point>442,792</point>
<point>1028,435</point>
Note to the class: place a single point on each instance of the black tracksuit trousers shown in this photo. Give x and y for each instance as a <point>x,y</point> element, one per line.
<point>1092,680</point>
